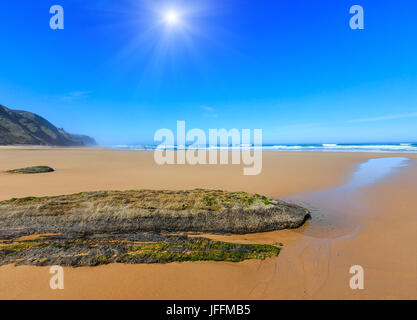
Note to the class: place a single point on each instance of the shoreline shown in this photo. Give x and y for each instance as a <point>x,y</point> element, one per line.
<point>90,169</point>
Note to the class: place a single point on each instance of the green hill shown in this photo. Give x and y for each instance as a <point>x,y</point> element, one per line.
<point>25,128</point>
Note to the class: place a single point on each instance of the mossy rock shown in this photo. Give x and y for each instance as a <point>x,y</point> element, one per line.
<point>95,250</point>
<point>149,211</point>
<point>31,170</point>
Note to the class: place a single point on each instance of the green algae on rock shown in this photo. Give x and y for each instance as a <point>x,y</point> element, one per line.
<point>199,210</point>
<point>31,170</point>
<point>92,250</point>
<point>139,226</point>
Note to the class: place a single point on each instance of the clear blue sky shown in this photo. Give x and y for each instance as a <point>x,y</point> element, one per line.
<point>293,68</point>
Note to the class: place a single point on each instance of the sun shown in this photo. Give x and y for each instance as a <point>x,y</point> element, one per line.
<point>172,17</point>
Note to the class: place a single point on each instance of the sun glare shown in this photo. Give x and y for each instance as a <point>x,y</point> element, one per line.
<point>172,17</point>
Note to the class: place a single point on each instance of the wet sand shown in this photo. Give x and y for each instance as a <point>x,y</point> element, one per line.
<point>379,232</point>
<point>101,169</point>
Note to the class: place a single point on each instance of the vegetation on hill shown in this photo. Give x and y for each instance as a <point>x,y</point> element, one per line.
<point>25,128</point>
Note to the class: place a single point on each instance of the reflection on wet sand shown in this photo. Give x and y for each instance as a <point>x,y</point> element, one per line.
<point>333,211</point>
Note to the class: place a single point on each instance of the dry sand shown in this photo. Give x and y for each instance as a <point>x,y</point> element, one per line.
<point>380,234</point>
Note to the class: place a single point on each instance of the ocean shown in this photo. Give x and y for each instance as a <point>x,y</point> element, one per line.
<point>325,147</point>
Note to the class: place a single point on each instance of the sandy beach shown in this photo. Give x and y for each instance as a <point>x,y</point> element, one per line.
<point>374,226</point>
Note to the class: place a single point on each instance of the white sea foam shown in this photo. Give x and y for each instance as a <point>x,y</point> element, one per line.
<point>325,147</point>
